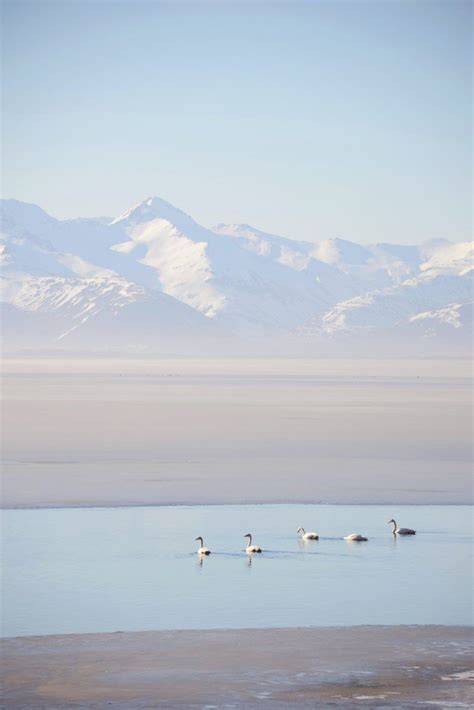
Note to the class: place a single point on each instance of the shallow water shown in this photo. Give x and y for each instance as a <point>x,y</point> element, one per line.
<point>88,570</point>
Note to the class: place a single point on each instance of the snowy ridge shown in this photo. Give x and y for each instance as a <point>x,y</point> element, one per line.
<point>155,275</point>
<point>452,258</point>
<point>182,264</point>
<point>450,315</point>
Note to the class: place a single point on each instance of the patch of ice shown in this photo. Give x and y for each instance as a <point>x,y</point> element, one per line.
<point>444,703</point>
<point>462,675</point>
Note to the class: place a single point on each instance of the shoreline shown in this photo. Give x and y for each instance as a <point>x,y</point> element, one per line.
<point>366,666</point>
<point>245,629</point>
<point>113,505</point>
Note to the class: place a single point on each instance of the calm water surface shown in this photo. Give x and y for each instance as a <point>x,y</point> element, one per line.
<point>128,569</point>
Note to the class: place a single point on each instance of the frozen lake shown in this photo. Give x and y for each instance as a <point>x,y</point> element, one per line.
<point>85,570</point>
<point>165,432</point>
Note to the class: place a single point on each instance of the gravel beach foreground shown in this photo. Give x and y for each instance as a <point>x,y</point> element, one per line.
<point>385,667</point>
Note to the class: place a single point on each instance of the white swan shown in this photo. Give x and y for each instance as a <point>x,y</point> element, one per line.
<point>251,548</point>
<point>202,550</point>
<point>354,537</point>
<point>401,531</point>
<point>307,535</point>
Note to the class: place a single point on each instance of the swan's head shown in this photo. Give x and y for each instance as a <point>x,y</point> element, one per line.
<point>199,538</point>
<point>391,521</point>
<point>247,535</point>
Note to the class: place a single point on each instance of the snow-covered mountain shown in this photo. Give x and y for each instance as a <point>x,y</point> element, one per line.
<point>153,280</point>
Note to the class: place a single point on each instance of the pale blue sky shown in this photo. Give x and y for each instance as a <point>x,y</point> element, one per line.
<point>308,119</point>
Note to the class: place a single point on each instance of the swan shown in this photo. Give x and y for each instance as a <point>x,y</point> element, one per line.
<point>354,537</point>
<point>307,535</point>
<point>250,547</point>
<point>202,550</point>
<point>401,531</point>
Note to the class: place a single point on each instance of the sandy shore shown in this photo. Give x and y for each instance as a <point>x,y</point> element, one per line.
<point>386,667</point>
<point>106,433</point>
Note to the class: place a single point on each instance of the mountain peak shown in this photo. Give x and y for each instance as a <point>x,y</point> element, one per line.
<point>152,208</point>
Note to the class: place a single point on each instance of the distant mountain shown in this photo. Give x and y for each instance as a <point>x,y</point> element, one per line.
<point>153,280</point>
<point>213,274</point>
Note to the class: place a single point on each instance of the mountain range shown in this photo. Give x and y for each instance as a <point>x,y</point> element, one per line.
<point>153,280</point>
